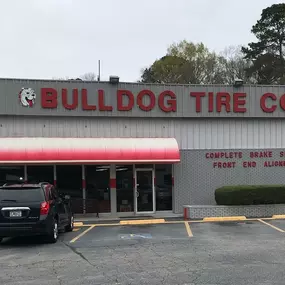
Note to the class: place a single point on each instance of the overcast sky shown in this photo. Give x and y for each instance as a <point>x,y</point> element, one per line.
<point>58,38</point>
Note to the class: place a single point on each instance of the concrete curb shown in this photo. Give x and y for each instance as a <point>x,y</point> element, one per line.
<point>222,219</point>
<point>118,220</point>
<point>142,222</point>
<point>124,222</point>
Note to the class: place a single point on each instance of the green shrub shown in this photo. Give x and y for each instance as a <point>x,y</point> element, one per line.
<point>250,195</point>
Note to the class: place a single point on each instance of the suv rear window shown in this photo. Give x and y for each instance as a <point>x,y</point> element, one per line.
<point>22,195</point>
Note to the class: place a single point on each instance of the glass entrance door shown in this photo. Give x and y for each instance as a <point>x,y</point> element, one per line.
<point>144,191</point>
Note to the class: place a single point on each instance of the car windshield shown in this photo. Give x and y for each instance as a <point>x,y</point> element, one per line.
<point>21,195</point>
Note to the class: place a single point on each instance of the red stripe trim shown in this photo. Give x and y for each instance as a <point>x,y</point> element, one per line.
<point>88,150</point>
<point>113,183</point>
<point>185,213</point>
<point>83,183</point>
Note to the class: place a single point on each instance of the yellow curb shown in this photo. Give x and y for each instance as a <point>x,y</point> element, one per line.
<point>278,217</point>
<point>142,222</point>
<point>78,224</point>
<point>75,230</point>
<point>222,219</point>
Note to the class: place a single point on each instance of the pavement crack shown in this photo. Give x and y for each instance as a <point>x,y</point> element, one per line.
<point>79,254</point>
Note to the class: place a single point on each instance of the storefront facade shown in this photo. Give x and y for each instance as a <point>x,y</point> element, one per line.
<point>134,149</point>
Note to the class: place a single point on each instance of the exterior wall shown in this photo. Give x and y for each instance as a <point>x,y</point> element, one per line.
<point>226,118</point>
<point>190,133</point>
<point>196,178</point>
<point>168,101</point>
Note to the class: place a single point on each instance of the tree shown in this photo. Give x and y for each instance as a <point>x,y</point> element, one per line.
<point>189,63</point>
<point>235,66</point>
<point>90,76</point>
<point>61,78</point>
<point>168,69</point>
<point>267,55</point>
<point>202,65</point>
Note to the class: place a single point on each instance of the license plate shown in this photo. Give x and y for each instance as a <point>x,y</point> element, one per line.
<point>15,214</point>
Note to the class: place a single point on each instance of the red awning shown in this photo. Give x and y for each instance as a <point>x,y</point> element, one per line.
<point>88,150</point>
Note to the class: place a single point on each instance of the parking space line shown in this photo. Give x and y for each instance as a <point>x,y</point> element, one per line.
<point>82,234</point>
<point>188,230</point>
<point>276,228</point>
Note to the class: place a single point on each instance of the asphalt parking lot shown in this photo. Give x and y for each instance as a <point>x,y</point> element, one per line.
<point>247,252</point>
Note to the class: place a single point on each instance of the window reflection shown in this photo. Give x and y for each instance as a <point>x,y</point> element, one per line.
<point>163,175</point>
<point>38,174</point>
<point>97,188</point>
<point>11,174</point>
<point>69,182</point>
<point>125,190</point>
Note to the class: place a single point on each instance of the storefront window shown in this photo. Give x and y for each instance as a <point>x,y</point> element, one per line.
<point>163,175</point>
<point>125,190</point>
<point>144,166</point>
<point>98,188</point>
<point>69,182</point>
<point>11,174</point>
<point>38,174</point>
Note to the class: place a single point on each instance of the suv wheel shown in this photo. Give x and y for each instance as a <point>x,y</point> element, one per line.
<point>53,236</point>
<point>70,226</point>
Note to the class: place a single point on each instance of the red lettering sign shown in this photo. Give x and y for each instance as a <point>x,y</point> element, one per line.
<point>170,105</point>
<point>239,102</point>
<point>84,102</point>
<point>223,102</point>
<point>249,164</point>
<point>228,159</point>
<point>74,103</point>
<point>227,155</point>
<point>143,96</point>
<point>198,96</point>
<point>230,164</point>
<point>49,98</point>
<point>263,101</point>
<point>129,96</point>
<point>260,154</point>
<point>146,100</point>
<point>223,99</point>
<point>101,102</point>
<point>211,102</point>
<point>282,102</point>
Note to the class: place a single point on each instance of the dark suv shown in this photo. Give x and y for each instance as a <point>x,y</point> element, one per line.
<point>34,209</point>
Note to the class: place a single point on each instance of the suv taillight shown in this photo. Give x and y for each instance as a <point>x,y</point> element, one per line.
<point>44,208</point>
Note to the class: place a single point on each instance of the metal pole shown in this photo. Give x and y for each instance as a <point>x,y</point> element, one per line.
<point>99,70</point>
<point>25,174</point>
<point>83,188</point>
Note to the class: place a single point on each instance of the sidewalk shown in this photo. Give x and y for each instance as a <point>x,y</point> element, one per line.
<point>103,218</point>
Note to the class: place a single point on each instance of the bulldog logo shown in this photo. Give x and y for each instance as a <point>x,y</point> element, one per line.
<point>27,97</point>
